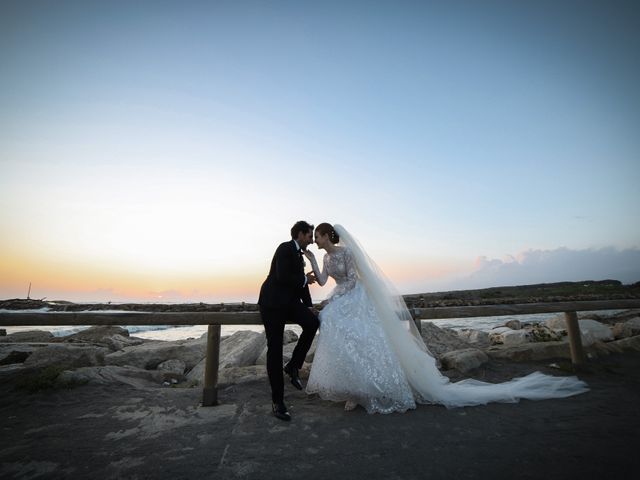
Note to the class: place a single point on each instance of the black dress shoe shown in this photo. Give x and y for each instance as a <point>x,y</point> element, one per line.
<point>280,411</point>
<point>293,374</point>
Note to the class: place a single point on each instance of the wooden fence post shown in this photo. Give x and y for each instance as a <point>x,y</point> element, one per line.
<point>575,340</point>
<point>210,391</point>
<point>415,313</point>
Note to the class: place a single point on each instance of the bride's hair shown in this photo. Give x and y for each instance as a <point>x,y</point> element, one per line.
<point>327,229</point>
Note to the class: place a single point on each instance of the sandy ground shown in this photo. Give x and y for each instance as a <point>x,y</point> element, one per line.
<point>122,432</point>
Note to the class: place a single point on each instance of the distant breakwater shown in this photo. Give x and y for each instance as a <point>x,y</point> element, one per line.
<point>538,293</point>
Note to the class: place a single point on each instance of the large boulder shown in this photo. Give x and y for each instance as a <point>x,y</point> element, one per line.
<point>235,375</point>
<point>11,353</point>
<point>496,335</point>
<point>441,340</point>
<point>111,375</point>
<point>621,330</point>
<point>150,354</point>
<point>634,325</point>
<point>66,356</point>
<point>110,336</point>
<point>593,331</point>
<point>242,349</point>
<point>239,350</point>
<point>262,358</point>
<point>312,349</point>
<point>287,351</point>
<point>513,324</point>
<point>30,336</point>
<point>557,322</point>
<point>515,337</point>
<point>463,360</point>
<point>172,370</point>
<point>530,351</point>
<point>289,336</point>
<point>477,338</point>
<point>542,333</point>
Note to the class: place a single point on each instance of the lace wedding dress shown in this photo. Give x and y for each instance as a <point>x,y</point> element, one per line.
<point>370,352</point>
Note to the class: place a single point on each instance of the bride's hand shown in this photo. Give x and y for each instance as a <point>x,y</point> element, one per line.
<point>309,255</point>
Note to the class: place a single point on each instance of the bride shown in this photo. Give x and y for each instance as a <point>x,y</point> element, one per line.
<point>370,353</point>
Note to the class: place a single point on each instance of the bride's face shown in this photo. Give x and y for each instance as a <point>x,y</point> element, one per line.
<point>322,240</point>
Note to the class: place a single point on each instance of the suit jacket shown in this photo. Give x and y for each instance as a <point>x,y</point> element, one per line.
<point>284,284</point>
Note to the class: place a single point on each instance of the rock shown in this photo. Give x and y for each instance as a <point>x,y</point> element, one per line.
<point>496,337</point>
<point>239,350</point>
<point>542,333</point>
<point>513,324</point>
<point>463,360</point>
<point>66,356</point>
<point>97,333</point>
<point>289,337</point>
<point>110,375</point>
<point>242,349</point>
<point>593,331</point>
<point>12,371</point>
<point>557,322</point>
<point>262,358</point>
<point>150,354</point>
<point>476,337</point>
<point>112,337</point>
<point>17,350</point>
<point>15,356</point>
<point>235,375</point>
<point>530,351</point>
<point>287,351</point>
<point>621,330</point>
<point>30,336</point>
<point>599,349</point>
<point>173,366</point>
<point>441,340</point>
<point>172,370</point>
<point>624,316</point>
<point>515,337</point>
<point>312,349</point>
<point>634,325</point>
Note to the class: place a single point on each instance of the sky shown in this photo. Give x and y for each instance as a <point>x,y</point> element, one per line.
<point>160,151</point>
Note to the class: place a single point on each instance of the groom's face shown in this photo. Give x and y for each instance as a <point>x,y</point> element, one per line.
<point>305,239</point>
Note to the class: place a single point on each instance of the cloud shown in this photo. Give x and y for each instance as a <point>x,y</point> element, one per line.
<point>561,264</point>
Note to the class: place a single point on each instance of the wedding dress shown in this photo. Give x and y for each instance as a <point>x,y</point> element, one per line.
<point>370,352</point>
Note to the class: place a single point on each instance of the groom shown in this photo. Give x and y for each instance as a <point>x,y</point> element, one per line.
<point>285,298</point>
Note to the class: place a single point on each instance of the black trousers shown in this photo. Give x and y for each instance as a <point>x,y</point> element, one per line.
<point>274,320</point>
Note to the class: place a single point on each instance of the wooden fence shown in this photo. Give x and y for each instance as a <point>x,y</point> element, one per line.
<point>215,320</point>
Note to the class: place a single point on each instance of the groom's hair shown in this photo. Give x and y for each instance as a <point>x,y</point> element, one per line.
<point>300,226</point>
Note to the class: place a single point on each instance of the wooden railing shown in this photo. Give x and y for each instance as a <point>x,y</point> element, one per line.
<point>215,320</point>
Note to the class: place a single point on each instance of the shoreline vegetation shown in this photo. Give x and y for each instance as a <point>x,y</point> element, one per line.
<point>536,293</point>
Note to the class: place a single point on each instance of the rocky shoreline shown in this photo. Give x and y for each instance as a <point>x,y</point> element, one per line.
<point>109,355</point>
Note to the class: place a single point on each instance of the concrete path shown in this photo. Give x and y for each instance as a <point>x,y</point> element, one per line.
<point>162,433</point>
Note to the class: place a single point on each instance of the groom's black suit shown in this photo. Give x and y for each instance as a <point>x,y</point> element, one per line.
<point>285,298</point>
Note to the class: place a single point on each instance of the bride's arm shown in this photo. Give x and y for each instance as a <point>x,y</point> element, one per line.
<point>321,277</point>
<point>352,273</point>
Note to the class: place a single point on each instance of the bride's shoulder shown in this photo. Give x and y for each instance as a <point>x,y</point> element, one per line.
<point>343,251</point>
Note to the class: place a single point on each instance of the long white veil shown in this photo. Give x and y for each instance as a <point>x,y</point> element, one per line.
<point>419,365</point>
